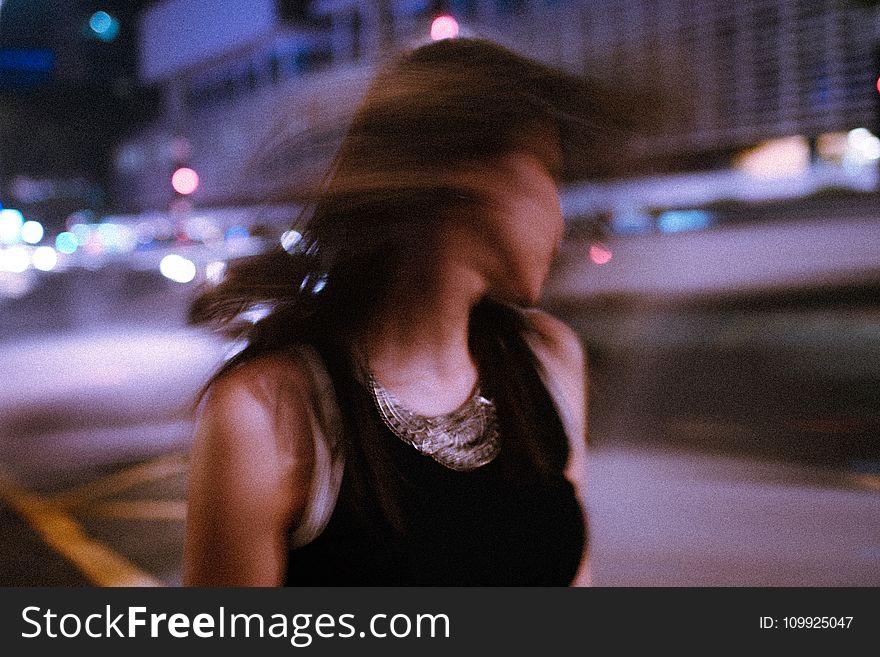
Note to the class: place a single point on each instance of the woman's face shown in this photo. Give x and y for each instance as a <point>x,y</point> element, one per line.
<point>522,221</point>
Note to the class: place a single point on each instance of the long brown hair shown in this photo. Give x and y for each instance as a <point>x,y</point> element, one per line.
<point>430,111</point>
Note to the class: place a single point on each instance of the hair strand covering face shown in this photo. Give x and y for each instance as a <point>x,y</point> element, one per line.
<point>428,113</point>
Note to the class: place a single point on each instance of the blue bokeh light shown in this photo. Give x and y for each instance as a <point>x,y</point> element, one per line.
<point>104,26</point>
<point>677,221</point>
<point>66,243</point>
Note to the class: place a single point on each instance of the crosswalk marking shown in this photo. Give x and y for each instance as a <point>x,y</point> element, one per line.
<point>138,510</point>
<point>155,470</point>
<point>101,565</point>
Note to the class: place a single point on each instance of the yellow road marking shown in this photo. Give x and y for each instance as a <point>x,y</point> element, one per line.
<point>139,510</point>
<point>160,468</point>
<point>101,565</point>
<point>869,481</point>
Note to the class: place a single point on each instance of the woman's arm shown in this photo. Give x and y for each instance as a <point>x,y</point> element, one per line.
<point>565,360</point>
<point>250,466</point>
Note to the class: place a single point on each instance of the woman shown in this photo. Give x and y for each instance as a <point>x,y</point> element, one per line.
<point>404,415</point>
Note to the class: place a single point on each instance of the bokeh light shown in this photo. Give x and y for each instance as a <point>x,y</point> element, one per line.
<point>15,259</point>
<point>32,232</point>
<point>444,27</point>
<point>600,254</point>
<point>177,268</point>
<point>214,271</point>
<point>776,158</point>
<point>11,222</point>
<point>862,145</point>
<point>678,221</point>
<point>185,181</point>
<point>236,233</point>
<point>104,26</point>
<point>316,282</point>
<point>116,238</point>
<point>66,243</point>
<point>83,232</point>
<point>44,258</point>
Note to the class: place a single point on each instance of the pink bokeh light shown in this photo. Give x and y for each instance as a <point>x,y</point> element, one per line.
<point>444,27</point>
<point>600,254</point>
<point>185,181</point>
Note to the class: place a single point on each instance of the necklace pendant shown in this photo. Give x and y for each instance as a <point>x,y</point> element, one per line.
<point>462,440</point>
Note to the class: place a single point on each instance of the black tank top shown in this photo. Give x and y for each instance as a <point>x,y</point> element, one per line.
<point>497,525</point>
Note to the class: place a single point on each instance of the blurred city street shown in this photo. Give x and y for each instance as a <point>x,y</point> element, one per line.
<point>736,465</point>
<point>719,257</point>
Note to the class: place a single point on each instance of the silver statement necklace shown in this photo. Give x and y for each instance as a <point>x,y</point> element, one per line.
<point>463,440</point>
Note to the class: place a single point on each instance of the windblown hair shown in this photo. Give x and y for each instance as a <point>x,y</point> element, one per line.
<point>430,112</point>
<point>446,105</point>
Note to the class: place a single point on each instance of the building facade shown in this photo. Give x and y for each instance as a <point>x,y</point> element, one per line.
<point>240,79</point>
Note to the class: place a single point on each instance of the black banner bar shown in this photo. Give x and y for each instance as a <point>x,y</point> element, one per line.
<point>512,621</point>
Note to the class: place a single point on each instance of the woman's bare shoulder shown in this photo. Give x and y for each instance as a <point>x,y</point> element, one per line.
<point>250,465</point>
<point>255,423</point>
<point>262,380</point>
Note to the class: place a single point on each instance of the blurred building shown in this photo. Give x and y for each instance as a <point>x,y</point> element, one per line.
<point>775,87</point>
<point>68,93</point>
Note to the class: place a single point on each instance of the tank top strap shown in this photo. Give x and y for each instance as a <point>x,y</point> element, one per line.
<point>329,461</point>
<point>561,404</point>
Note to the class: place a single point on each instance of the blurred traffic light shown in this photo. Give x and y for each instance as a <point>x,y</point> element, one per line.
<point>184,181</point>
<point>444,27</point>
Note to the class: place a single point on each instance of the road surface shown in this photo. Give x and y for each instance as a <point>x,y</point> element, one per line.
<point>95,438</point>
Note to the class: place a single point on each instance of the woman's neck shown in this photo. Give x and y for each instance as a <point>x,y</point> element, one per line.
<point>417,345</point>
